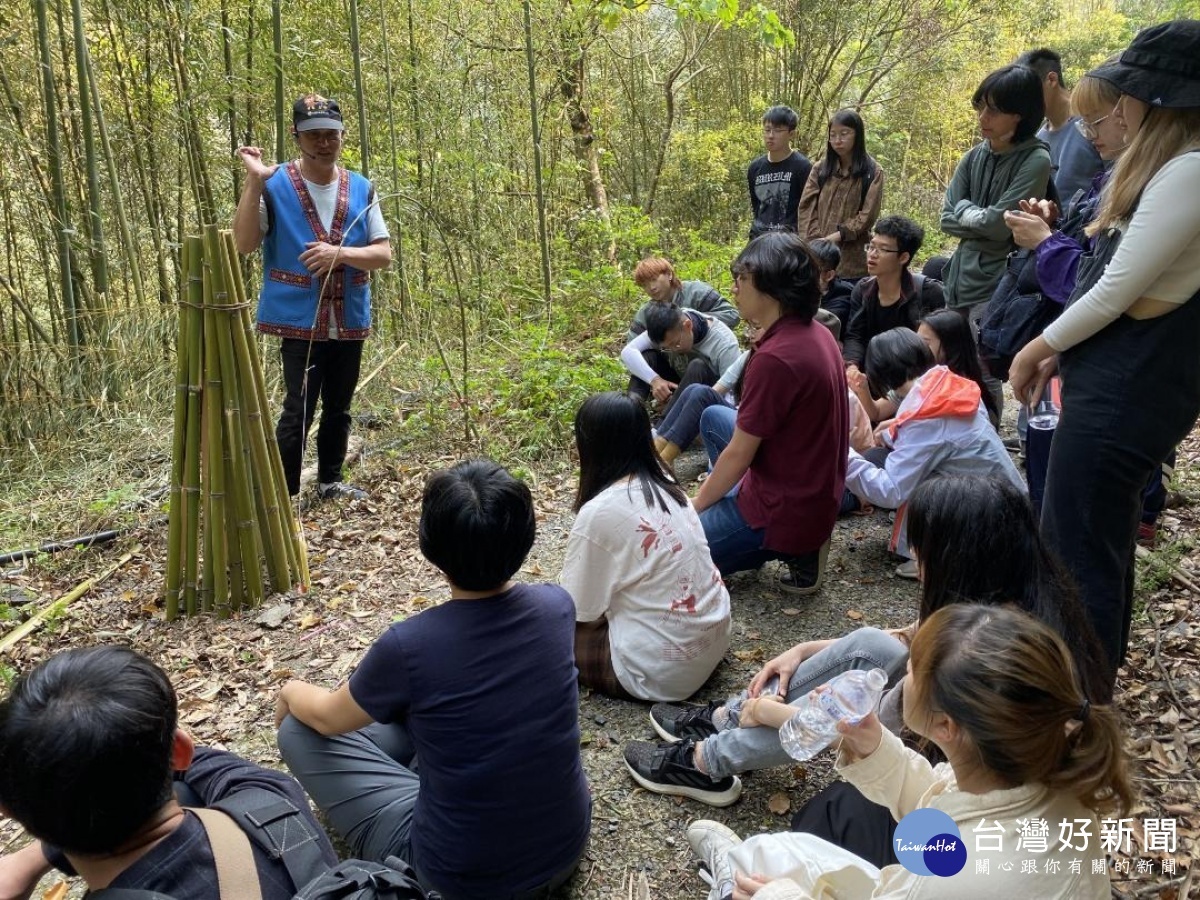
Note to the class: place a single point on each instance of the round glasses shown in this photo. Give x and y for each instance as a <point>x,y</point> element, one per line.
<point>875,248</point>
<point>1088,129</point>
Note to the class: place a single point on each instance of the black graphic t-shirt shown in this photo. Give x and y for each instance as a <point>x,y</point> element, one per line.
<point>775,190</point>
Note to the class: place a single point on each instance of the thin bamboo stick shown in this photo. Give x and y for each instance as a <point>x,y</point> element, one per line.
<point>191,472</point>
<point>176,511</point>
<point>217,558</point>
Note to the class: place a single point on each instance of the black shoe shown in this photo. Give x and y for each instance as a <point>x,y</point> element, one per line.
<point>668,769</point>
<point>676,721</point>
<point>804,574</point>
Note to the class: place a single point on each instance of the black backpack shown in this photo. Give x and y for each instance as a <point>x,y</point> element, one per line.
<point>276,825</point>
<point>1017,313</point>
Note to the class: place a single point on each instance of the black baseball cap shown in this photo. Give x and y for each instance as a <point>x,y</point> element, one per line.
<point>313,112</point>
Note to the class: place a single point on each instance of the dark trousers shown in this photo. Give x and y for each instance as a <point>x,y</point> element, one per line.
<point>697,372</point>
<point>1131,393</point>
<point>332,376</point>
<point>843,816</point>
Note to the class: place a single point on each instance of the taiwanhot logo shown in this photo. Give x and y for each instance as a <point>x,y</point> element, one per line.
<point>927,842</point>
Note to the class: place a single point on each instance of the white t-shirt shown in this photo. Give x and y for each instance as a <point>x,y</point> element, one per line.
<point>650,573</point>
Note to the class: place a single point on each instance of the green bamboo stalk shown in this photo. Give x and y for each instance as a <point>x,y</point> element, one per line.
<point>192,496</point>
<point>535,122</point>
<point>95,213</point>
<point>242,507</point>
<point>61,225</point>
<point>230,98</point>
<point>356,55</point>
<point>284,550</point>
<point>397,224</point>
<point>237,566</point>
<point>277,63</point>
<point>128,245</point>
<point>214,526</point>
<point>176,511</point>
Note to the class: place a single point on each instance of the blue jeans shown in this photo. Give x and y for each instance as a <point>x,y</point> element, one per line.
<point>681,424</point>
<point>736,749</point>
<point>716,428</point>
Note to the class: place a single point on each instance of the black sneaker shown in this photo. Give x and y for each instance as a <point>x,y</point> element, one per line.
<point>804,574</point>
<point>676,721</point>
<point>668,769</point>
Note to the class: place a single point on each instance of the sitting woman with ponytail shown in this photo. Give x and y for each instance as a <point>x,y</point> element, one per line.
<point>997,692</point>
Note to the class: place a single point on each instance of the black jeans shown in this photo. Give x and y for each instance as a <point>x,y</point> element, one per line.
<point>1131,393</point>
<point>333,368</point>
<point>661,364</point>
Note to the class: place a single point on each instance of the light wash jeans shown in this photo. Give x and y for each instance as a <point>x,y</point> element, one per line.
<point>735,749</point>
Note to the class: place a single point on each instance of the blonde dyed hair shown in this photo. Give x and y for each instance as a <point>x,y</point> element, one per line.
<point>1165,134</point>
<point>1009,682</point>
<point>1092,95</point>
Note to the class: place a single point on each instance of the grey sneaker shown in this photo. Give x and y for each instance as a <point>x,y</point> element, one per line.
<point>804,575</point>
<point>339,490</point>
<point>711,842</point>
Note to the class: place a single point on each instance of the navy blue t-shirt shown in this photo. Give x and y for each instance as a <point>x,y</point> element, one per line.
<point>487,690</point>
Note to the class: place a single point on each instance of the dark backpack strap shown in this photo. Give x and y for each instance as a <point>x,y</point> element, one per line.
<point>126,894</point>
<point>280,829</point>
<point>866,184</point>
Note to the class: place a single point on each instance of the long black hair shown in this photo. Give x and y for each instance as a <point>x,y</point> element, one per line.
<point>612,434</point>
<point>978,542</point>
<point>860,163</point>
<point>960,352</point>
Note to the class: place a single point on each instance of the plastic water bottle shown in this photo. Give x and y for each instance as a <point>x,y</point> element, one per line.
<point>850,697</point>
<point>1044,416</point>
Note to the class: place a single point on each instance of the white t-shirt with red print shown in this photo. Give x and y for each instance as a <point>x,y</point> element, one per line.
<point>648,570</point>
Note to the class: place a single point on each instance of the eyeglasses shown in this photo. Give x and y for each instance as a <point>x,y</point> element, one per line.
<point>771,132</point>
<point>1088,129</point>
<point>875,248</point>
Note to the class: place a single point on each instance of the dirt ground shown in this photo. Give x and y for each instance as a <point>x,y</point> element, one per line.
<point>367,571</point>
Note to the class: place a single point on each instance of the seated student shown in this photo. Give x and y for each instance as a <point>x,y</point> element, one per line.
<point>892,296</point>
<point>977,542</point>
<point>952,343</point>
<point>996,692</point>
<point>656,276</point>
<point>836,293</point>
<point>775,489</point>
<point>651,610</point>
<point>482,689</point>
<point>681,425</point>
<point>89,748</point>
<point>941,427</point>
<point>704,341</point>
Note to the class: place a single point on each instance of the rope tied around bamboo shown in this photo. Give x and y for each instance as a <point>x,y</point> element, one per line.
<point>230,512</point>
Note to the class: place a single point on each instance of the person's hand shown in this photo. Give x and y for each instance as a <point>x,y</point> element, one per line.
<point>862,739</point>
<point>282,710</point>
<point>252,159</point>
<point>21,871</point>
<point>662,389</point>
<point>1028,230</point>
<point>855,379</point>
<point>1031,370</point>
<point>782,665</point>
<point>835,238</point>
<point>320,257</point>
<point>881,429</point>
<point>1046,210</point>
<point>746,886</point>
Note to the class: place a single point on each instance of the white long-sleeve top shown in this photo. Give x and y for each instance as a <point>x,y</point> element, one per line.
<point>719,349</point>
<point>1157,256</point>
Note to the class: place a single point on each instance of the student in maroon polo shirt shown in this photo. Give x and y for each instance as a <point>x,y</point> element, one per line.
<point>775,489</point>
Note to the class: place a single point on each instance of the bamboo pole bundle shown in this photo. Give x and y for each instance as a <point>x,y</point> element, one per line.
<point>229,506</point>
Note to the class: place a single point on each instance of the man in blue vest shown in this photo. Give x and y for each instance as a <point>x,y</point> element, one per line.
<point>322,234</point>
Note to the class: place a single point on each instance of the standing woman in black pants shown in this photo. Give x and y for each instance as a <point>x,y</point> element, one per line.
<point>1128,344</point>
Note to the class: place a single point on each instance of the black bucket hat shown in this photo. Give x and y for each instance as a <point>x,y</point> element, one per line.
<point>1160,67</point>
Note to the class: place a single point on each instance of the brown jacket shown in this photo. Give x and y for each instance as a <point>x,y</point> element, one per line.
<point>840,206</point>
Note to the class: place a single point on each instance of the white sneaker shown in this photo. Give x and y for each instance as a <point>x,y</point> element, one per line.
<point>711,842</point>
<point>908,569</point>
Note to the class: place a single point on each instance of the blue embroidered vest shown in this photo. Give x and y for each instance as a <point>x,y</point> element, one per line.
<point>288,304</point>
